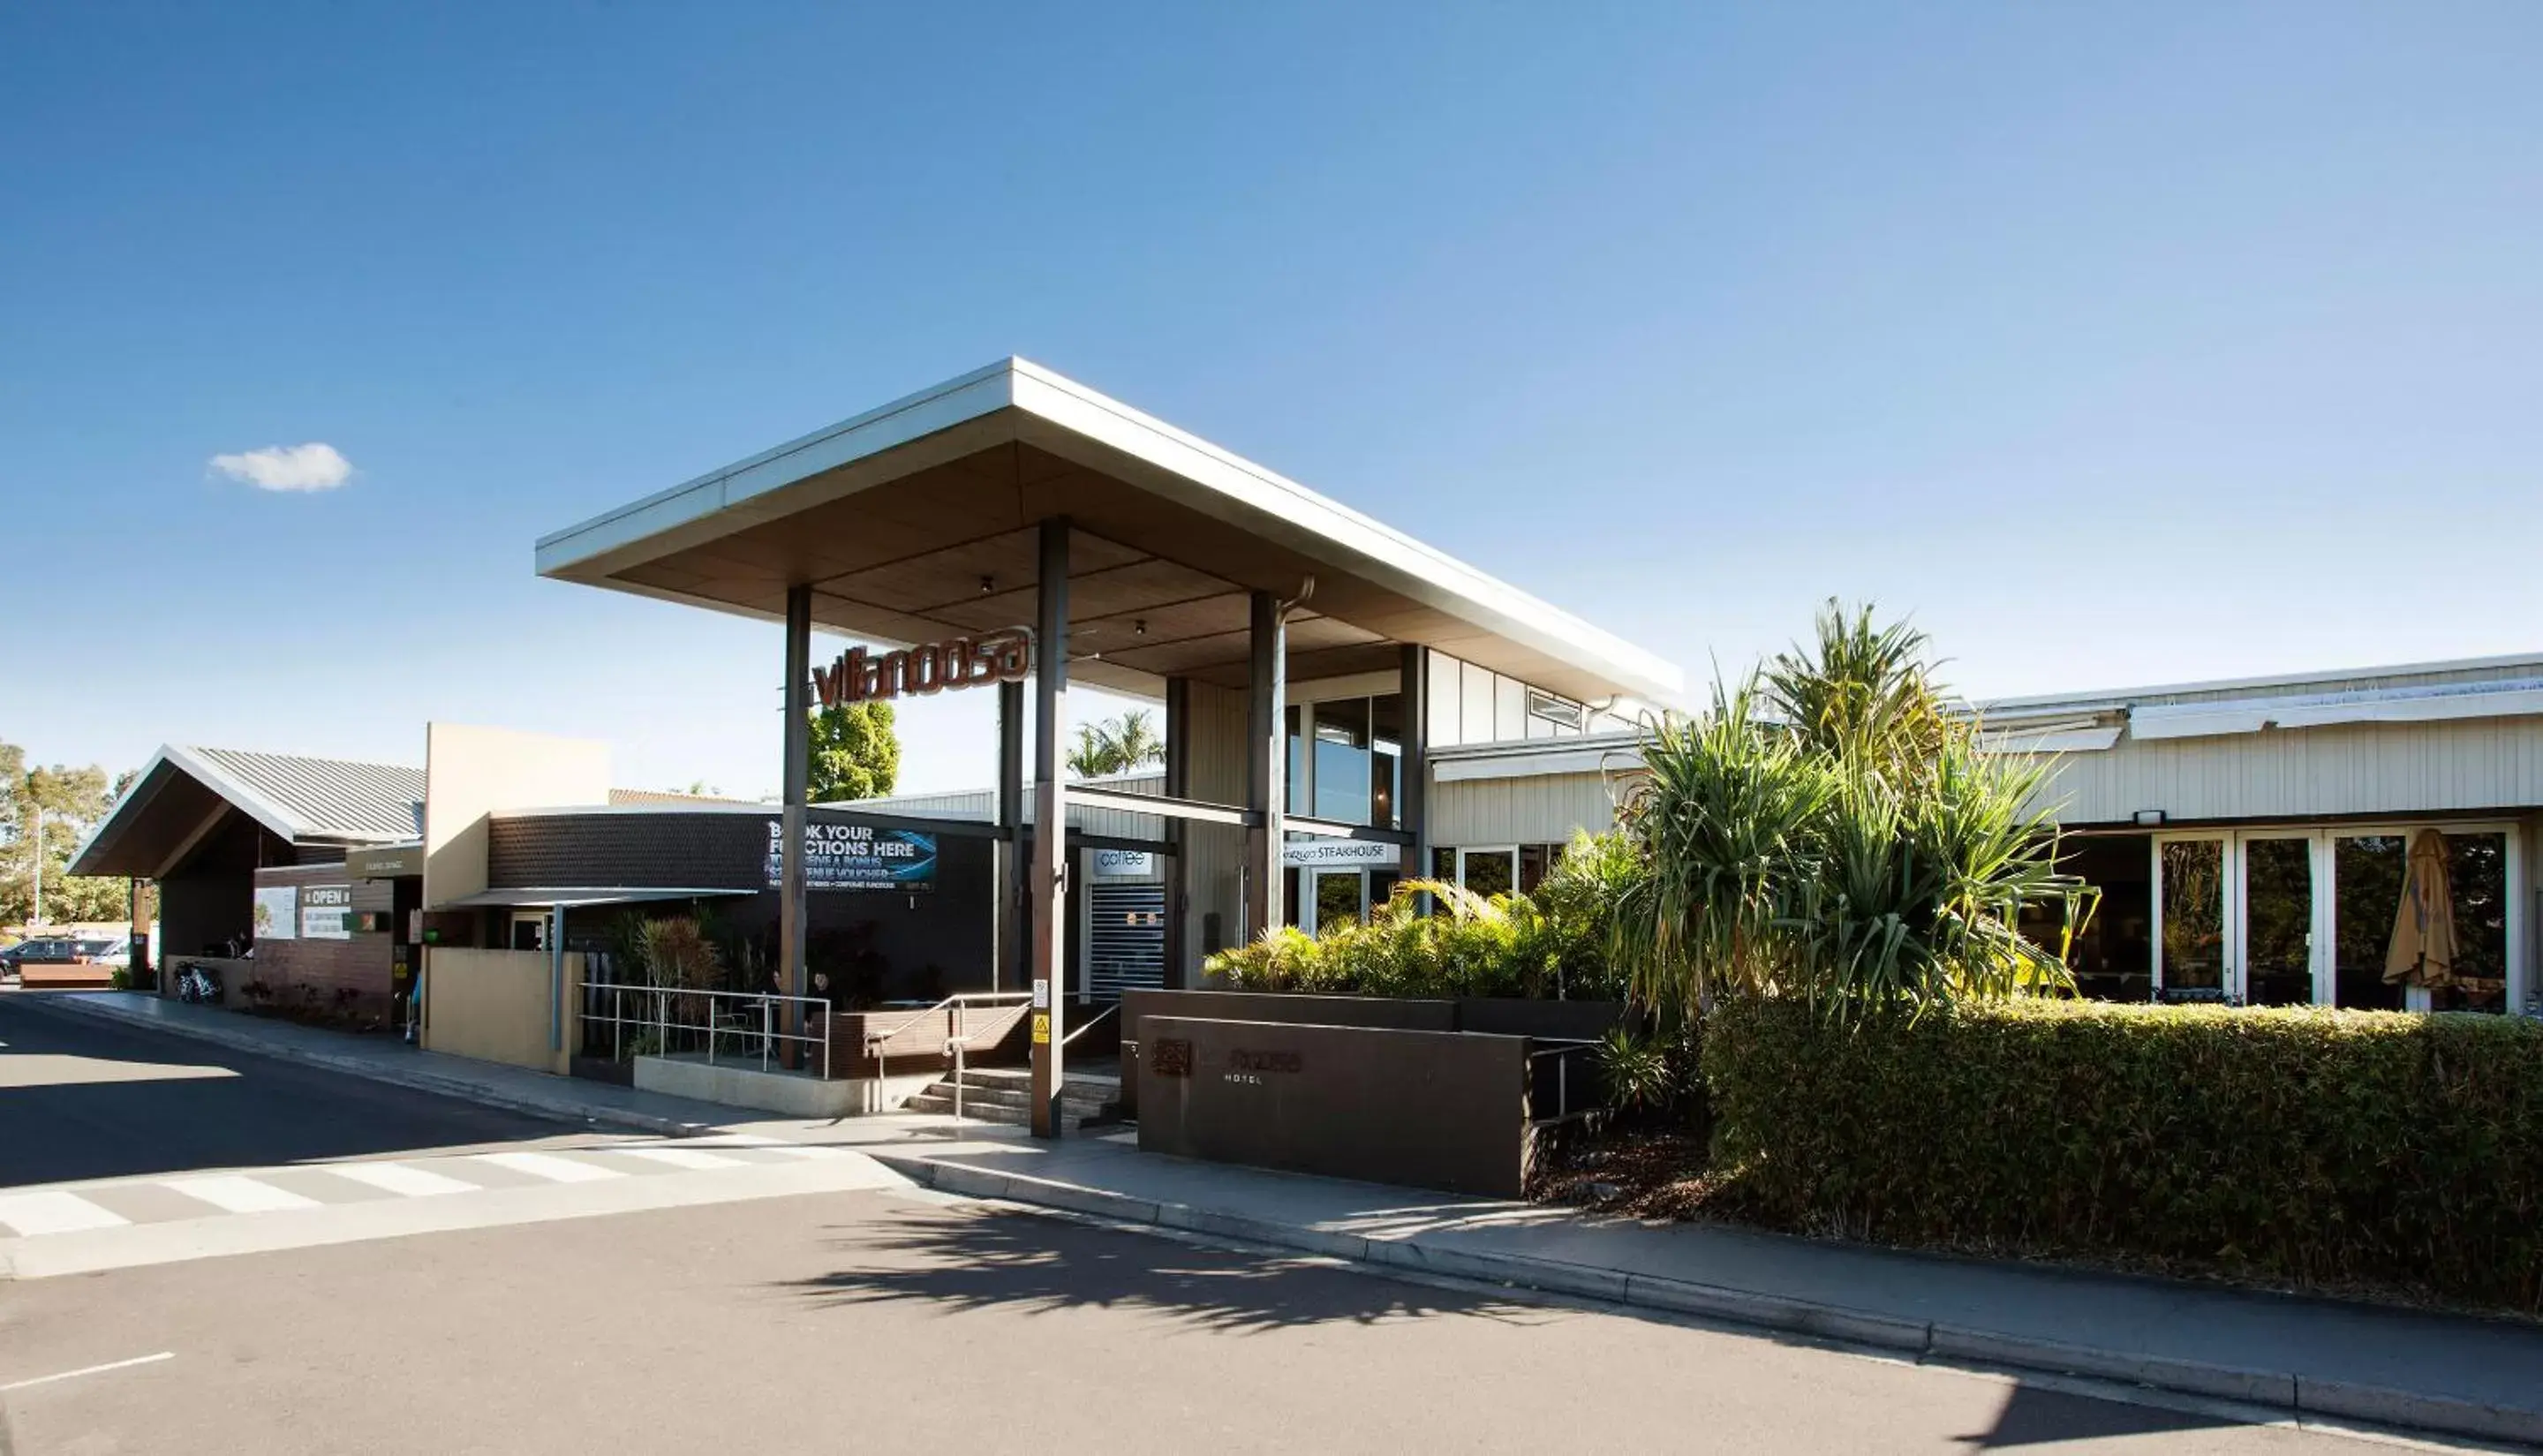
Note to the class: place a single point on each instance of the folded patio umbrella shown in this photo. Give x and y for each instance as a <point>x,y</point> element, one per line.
<point>2424,929</point>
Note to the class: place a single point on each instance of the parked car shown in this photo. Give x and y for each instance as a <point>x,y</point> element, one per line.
<point>42,951</point>
<point>116,951</point>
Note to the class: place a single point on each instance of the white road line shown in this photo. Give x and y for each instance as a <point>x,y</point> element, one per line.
<point>54,1212</point>
<point>681,1157</point>
<point>550,1167</point>
<point>808,1150</point>
<point>165,1354</point>
<point>239,1195</point>
<point>400,1178</point>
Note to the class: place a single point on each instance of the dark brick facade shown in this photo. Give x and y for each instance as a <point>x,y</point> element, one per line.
<point>876,945</point>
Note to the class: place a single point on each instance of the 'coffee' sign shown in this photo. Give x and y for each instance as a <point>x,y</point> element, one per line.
<point>928,668</point>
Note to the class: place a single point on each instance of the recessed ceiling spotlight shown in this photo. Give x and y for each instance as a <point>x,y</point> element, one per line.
<point>988,585</point>
<point>1139,628</point>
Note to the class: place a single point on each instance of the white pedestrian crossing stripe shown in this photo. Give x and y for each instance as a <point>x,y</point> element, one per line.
<point>52,1211</point>
<point>400,1178</point>
<point>681,1157</point>
<point>550,1167</point>
<point>240,1195</point>
<point>118,1222</point>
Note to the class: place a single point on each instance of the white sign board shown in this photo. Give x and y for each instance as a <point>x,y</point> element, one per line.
<point>326,912</point>
<point>278,912</point>
<point>1341,854</point>
<point>1125,864</point>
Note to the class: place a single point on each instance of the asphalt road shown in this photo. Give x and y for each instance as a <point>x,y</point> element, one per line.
<point>876,1322</point>
<point>80,1099</point>
<point>865,1320</point>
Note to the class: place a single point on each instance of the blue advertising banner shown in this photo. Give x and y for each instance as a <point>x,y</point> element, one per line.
<point>857,857</point>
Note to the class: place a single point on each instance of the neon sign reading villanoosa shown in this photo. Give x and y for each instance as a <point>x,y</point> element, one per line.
<point>930,667</point>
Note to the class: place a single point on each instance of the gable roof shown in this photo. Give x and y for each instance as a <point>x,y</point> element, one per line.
<point>305,800</point>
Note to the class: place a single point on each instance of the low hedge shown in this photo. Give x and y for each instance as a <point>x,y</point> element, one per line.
<point>2313,1146</point>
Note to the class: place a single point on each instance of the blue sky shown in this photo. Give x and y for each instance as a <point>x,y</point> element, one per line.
<point>2119,343</point>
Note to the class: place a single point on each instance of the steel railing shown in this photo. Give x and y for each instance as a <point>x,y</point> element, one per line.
<point>959,1005</point>
<point>1563,1052</point>
<point>680,1021</point>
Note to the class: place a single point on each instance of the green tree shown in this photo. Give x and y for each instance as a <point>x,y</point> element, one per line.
<point>1117,746</point>
<point>71,800</point>
<point>856,754</point>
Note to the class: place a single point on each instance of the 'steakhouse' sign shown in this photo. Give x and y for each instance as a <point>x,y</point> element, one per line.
<point>856,857</point>
<point>927,668</point>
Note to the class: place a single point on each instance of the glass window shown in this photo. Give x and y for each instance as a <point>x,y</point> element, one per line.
<point>1490,871</point>
<point>2194,917</point>
<point>1296,797</point>
<point>2476,878</point>
<point>2367,895</point>
<point>2278,922</point>
<point>1386,765</point>
<point>1336,899</point>
<point>1533,860</point>
<point>1343,769</point>
<point>1443,864</point>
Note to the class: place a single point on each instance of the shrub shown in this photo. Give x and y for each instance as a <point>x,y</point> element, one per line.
<point>2310,1145</point>
<point>1829,832</point>
<point>1552,943</point>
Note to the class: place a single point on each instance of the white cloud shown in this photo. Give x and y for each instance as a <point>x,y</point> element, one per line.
<point>309,467</point>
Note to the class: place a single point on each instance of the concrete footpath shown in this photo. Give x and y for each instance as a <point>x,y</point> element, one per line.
<point>2312,1358</point>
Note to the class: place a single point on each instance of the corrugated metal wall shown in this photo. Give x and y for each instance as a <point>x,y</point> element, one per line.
<point>2360,769</point>
<point>1539,809</point>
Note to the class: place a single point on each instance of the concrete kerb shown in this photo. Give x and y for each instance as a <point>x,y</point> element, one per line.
<point>560,1109</point>
<point>2270,1390</point>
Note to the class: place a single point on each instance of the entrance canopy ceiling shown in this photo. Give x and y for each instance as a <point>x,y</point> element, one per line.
<point>917,521</point>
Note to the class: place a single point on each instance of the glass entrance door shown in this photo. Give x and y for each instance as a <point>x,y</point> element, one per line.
<point>2282,920</point>
<point>2191,950</point>
<point>1342,897</point>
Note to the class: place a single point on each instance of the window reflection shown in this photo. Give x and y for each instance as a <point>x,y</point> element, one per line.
<point>2366,872</point>
<point>1342,761</point>
<point>2194,917</point>
<point>2477,875</point>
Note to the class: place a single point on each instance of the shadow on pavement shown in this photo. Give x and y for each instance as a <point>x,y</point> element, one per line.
<point>81,1100</point>
<point>979,1259</point>
<point>2034,1417</point>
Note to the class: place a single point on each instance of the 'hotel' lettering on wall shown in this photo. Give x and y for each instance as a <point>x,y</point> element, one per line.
<point>928,668</point>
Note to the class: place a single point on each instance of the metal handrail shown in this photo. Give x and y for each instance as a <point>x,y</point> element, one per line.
<point>766,1003</point>
<point>1565,1048</point>
<point>1090,1024</point>
<point>960,1000</point>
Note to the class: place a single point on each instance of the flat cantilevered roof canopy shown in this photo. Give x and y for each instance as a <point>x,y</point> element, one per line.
<point>917,521</point>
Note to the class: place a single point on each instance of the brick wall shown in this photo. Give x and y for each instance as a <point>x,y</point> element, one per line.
<point>361,962</point>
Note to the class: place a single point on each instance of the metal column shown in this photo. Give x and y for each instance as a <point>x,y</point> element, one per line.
<point>798,780</point>
<point>1265,765</point>
<point>1049,881</point>
<point>1179,976</point>
<point>1010,962</point>
<point>1412,797</point>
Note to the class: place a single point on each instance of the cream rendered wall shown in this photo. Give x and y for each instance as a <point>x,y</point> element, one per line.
<point>470,772</point>
<point>494,1004</point>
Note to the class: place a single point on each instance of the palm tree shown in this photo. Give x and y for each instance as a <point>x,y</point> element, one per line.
<point>1117,746</point>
